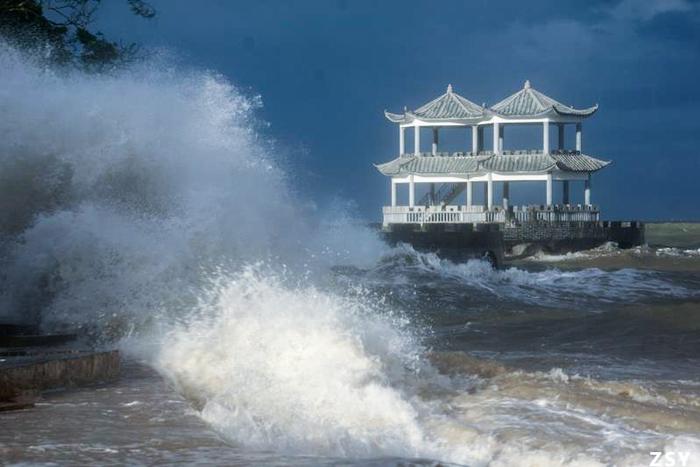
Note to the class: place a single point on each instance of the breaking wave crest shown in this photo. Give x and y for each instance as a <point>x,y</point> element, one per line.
<point>299,369</point>
<point>548,287</point>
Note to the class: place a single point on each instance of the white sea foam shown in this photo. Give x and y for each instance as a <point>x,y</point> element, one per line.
<point>678,252</point>
<point>301,370</point>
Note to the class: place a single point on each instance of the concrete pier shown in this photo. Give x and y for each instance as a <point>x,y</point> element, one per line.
<point>566,237</point>
<point>454,241</point>
<point>497,242</point>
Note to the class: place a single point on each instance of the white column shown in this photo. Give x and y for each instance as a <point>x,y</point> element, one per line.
<point>411,191</point>
<point>489,191</point>
<point>501,130</point>
<point>496,137</point>
<point>578,136</point>
<point>475,139</point>
<point>469,192</point>
<point>560,126</point>
<point>506,194</point>
<point>435,140</point>
<point>587,191</point>
<point>416,140</point>
<point>565,192</point>
<point>545,136</point>
<point>402,141</point>
<point>393,192</point>
<point>549,189</point>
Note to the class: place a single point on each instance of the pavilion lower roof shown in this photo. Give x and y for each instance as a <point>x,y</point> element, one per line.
<point>513,162</point>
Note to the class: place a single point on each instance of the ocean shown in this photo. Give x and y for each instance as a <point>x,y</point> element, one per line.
<point>148,211</point>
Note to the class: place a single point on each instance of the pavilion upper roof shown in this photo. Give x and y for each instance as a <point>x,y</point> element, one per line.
<point>448,107</point>
<point>515,162</point>
<point>528,102</point>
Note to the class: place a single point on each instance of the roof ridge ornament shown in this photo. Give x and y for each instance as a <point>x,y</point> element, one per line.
<point>449,89</point>
<point>527,84</point>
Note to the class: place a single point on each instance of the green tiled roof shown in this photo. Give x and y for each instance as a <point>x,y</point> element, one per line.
<point>518,162</point>
<point>577,162</point>
<point>529,102</point>
<point>431,165</point>
<point>449,106</point>
<point>526,103</point>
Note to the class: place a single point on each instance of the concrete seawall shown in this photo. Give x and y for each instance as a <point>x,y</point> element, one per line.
<point>47,370</point>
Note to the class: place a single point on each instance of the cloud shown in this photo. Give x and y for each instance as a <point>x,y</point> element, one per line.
<point>559,40</point>
<point>646,10</point>
<point>626,31</point>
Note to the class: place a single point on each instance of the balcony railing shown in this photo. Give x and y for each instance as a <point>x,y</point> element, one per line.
<point>481,215</point>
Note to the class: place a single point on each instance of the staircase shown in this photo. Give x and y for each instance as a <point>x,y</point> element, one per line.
<point>444,195</point>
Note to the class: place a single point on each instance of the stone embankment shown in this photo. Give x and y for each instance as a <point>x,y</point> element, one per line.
<point>31,363</point>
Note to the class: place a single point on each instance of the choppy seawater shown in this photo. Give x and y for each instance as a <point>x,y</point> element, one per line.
<point>554,361</point>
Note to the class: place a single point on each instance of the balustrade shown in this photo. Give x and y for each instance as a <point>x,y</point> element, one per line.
<point>479,214</point>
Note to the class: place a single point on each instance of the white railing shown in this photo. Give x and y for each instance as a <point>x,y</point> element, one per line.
<point>557,213</point>
<point>441,215</point>
<point>480,215</point>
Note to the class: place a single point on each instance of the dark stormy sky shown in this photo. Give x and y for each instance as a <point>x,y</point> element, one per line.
<point>327,69</point>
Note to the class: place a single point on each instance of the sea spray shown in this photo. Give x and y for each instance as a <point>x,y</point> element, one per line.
<point>148,178</point>
<point>163,182</point>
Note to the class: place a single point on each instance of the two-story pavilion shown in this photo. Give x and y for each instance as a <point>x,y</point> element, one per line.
<point>458,172</point>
